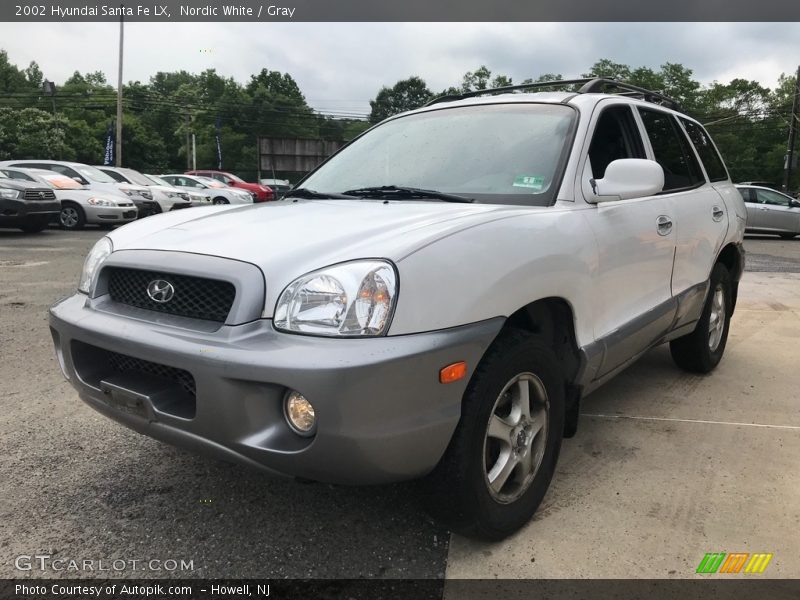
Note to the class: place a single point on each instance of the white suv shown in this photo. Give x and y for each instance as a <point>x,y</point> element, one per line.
<point>434,301</point>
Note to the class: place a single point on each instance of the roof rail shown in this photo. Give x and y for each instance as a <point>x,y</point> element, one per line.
<point>588,86</point>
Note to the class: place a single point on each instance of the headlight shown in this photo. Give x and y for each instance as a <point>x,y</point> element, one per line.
<point>351,299</point>
<point>94,259</point>
<point>172,194</point>
<point>147,195</point>
<point>128,192</point>
<point>8,193</point>
<point>101,202</point>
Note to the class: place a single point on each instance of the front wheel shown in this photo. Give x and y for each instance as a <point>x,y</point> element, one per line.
<point>503,453</point>
<point>701,350</point>
<point>72,216</point>
<point>220,200</point>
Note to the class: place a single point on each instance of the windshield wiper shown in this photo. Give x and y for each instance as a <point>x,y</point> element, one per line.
<point>395,192</point>
<point>306,193</point>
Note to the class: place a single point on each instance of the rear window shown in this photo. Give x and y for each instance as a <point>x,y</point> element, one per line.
<point>671,150</point>
<point>707,152</point>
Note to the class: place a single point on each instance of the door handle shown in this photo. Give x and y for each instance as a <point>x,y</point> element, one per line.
<point>717,213</point>
<point>762,208</point>
<point>663,225</point>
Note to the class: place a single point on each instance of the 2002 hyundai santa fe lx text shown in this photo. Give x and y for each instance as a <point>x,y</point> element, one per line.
<point>433,301</point>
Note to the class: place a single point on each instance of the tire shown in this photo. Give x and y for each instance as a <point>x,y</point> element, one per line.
<point>34,224</point>
<point>220,200</point>
<point>701,350</point>
<point>787,236</point>
<point>72,216</point>
<point>458,490</point>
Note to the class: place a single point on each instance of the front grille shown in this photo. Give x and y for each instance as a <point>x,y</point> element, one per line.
<point>195,297</point>
<point>40,195</point>
<point>121,363</point>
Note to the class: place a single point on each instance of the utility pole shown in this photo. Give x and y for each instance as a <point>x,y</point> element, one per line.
<point>188,143</point>
<point>118,141</point>
<point>792,133</point>
<point>49,88</point>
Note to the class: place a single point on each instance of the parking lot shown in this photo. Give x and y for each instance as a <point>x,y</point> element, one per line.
<point>665,467</point>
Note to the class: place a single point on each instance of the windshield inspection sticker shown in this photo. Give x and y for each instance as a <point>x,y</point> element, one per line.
<point>534,182</point>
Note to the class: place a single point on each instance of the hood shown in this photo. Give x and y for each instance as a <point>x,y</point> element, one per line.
<point>288,239</point>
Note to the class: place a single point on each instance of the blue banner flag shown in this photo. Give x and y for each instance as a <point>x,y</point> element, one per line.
<point>108,157</point>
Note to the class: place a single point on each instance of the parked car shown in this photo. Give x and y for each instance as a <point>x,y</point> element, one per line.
<point>219,192</point>
<point>196,197</point>
<point>279,186</point>
<point>26,205</point>
<point>168,197</point>
<point>95,180</point>
<point>262,193</point>
<point>436,300</point>
<point>770,211</point>
<point>79,205</point>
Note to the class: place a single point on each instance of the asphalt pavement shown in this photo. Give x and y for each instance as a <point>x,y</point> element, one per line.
<point>77,486</point>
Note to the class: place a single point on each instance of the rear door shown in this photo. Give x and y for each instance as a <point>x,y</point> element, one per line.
<point>699,213</point>
<point>777,213</point>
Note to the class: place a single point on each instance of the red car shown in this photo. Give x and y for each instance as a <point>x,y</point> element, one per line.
<point>262,192</point>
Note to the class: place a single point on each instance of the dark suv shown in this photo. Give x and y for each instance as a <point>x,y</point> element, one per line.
<point>26,206</point>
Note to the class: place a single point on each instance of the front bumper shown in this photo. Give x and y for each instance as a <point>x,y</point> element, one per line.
<point>99,215</point>
<point>19,209</point>
<point>382,414</point>
<point>147,207</point>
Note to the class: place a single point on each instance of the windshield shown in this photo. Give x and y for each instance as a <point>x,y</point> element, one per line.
<point>212,183</point>
<point>233,177</point>
<point>498,153</point>
<point>158,181</point>
<point>59,181</point>
<point>93,174</point>
<point>135,177</point>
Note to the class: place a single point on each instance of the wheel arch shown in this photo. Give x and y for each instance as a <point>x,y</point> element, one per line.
<point>732,257</point>
<point>552,319</point>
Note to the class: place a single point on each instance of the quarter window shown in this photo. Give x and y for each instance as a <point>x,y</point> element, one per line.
<point>705,149</point>
<point>671,150</point>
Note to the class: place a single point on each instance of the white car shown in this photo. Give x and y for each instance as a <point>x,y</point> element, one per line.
<point>168,196</point>
<point>95,180</point>
<point>79,205</point>
<point>434,301</point>
<point>218,192</point>
<point>196,197</point>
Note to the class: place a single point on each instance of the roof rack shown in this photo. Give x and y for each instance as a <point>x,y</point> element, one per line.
<point>588,86</point>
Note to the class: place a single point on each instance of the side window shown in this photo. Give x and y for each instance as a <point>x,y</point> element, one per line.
<point>705,149</point>
<point>671,150</point>
<point>747,194</point>
<point>773,198</point>
<point>615,136</point>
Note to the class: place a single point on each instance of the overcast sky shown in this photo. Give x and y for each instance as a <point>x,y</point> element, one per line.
<point>341,66</point>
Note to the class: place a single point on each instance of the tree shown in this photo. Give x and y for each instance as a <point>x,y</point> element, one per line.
<point>404,95</point>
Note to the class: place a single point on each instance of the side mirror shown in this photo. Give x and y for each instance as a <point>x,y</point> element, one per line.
<point>80,180</point>
<point>627,178</point>
<point>794,203</point>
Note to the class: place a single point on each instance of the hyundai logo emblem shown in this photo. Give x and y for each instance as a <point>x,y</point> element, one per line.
<point>160,291</point>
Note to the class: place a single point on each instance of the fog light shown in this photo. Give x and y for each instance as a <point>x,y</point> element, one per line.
<point>299,414</point>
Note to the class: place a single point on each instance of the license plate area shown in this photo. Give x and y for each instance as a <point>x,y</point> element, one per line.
<point>144,395</point>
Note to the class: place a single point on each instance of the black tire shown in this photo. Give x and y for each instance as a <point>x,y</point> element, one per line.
<point>220,200</point>
<point>458,490</point>
<point>34,224</point>
<point>696,351</point>
<point>72,216</point>
<point>788,236</point>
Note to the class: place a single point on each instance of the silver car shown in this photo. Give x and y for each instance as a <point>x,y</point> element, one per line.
<point>79,205</point>
<point>770,211</point>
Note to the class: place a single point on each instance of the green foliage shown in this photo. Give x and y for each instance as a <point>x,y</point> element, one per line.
<point>406,94</point>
